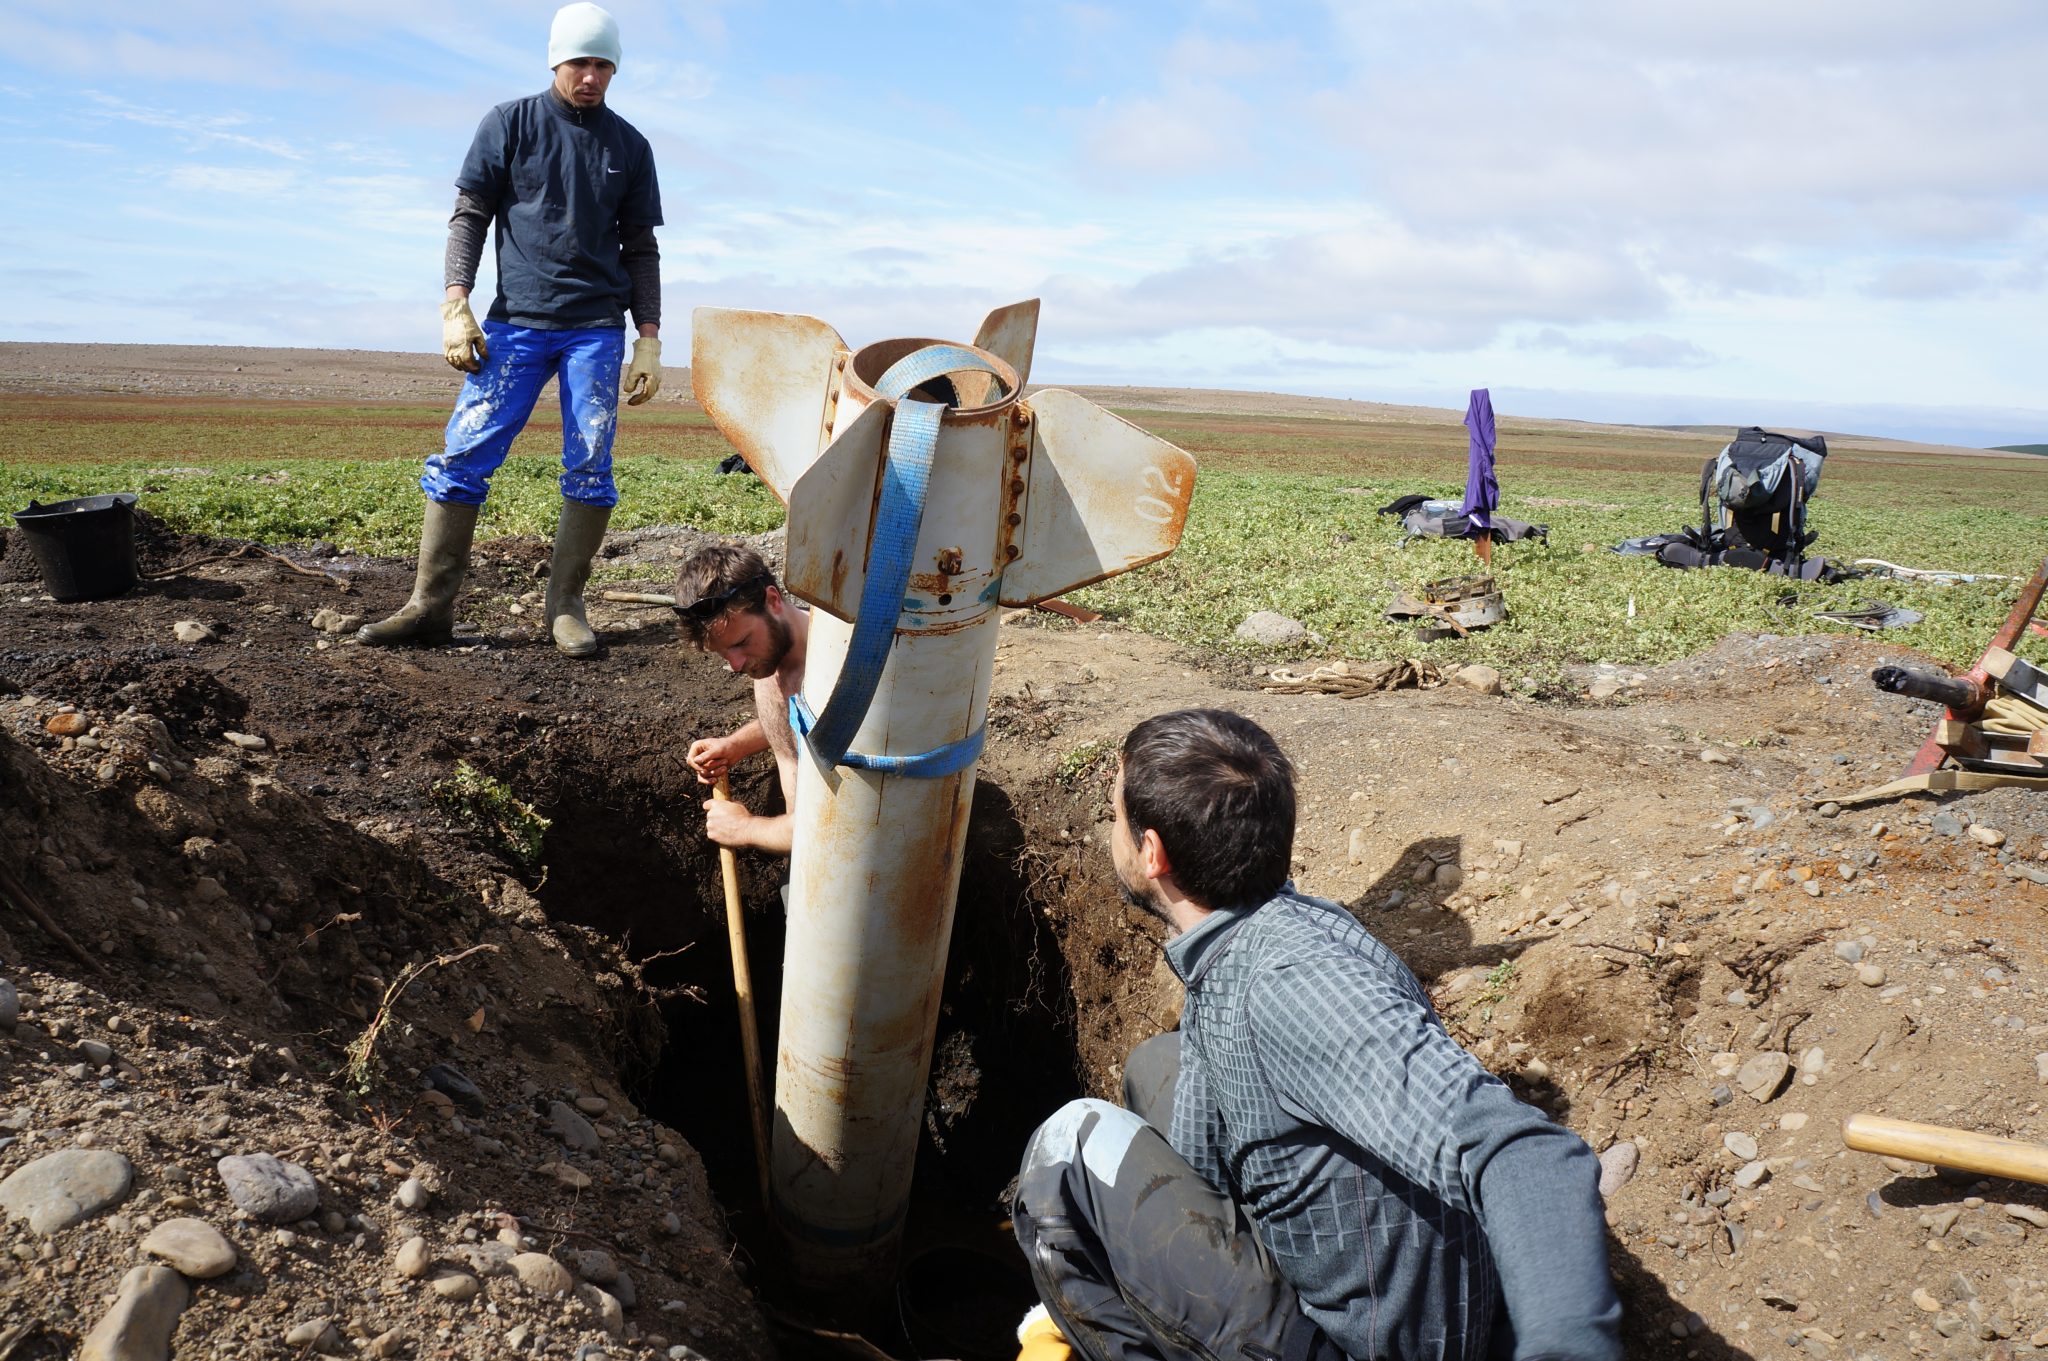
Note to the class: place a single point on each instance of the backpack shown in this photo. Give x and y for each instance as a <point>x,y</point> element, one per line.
<point>1763,481</point>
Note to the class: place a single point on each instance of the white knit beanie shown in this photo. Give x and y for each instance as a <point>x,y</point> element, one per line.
<point>583,30</point>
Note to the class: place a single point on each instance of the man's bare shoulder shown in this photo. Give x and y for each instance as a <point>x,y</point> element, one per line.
<point>771,706</point>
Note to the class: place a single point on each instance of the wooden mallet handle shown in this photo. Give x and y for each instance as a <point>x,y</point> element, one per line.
<point>1961,1149</point>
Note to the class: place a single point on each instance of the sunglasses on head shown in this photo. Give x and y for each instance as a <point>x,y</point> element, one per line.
<point>709,607</point>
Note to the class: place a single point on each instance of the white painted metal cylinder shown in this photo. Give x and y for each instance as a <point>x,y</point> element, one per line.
<point>873,880</point>
<point>1021,505</point>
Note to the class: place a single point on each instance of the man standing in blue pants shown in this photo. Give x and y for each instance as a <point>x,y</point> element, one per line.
<point>572,189</point>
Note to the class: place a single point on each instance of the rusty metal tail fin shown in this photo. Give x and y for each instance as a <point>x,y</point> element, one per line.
<point>1103,497</point>
<point>741,367</point>
<point>831,514</point>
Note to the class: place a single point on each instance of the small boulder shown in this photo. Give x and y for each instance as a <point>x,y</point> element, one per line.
<point>264,1186</point>
<point>455,1286</point>
<point>191,631</point>
<point>59,1189</point>
<point>1618,1166</point>
<point>571,1128</point>
<point>192,1246</point>
<point>453,1083</point>
<point>145,1312</point>
<point>1480,679</point>
<point>317,1333</point>
<point>610,1313</point>
<point>414,1257</point>
<point>596,1266</point>
<point>542,1274</point>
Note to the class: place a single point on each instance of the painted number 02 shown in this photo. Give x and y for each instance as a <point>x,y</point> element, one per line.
<point>1152,508</point>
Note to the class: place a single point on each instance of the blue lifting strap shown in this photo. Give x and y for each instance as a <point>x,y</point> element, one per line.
<point>906,474</point>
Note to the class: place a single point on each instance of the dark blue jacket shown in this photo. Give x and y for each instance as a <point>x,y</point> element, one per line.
<point>561,183</point>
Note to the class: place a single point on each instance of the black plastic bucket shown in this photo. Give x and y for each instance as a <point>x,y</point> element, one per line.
<point>85,547</point>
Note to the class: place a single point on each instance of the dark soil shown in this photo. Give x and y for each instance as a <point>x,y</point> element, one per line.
<point>1607,919</point>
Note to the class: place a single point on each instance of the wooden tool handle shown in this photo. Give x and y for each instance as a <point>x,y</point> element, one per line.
<point>1962,1149</point>
<point>743,988</point>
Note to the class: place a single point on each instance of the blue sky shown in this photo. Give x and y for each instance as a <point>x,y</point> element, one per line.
<point>1823,213</point>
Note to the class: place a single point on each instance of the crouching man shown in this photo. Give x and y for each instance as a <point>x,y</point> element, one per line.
<point>1311,1167</point>
<point>730,606</point>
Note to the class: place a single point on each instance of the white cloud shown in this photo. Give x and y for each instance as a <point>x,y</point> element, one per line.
<point>1644,351</point>
<point>1377,284</point>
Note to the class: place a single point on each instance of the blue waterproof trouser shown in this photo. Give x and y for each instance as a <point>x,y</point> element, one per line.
<point>1136,1258</point>
<point>497,400</point>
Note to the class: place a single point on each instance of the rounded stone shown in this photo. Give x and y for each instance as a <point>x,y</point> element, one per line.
<point>142,1318</point>
<point>314,1332</point>
<point>542,1274</point>
<point>1740,1144</point>
<point>264,1186</point>
<point>193,1246</point>
<point>414,1257</point>
<point>456,1286</point>
<point>596,1266</point>
<point>59,1189</point>
<point>1870,975</point>
<point>1617,1165</point>
<point>412,1193</point>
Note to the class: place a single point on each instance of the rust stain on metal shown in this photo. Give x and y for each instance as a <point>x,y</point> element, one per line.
<point>949,561</point>
<point>945,627</point>
<point>936,583</point>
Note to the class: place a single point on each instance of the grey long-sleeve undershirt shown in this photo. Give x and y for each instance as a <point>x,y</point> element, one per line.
<point>470,226</point>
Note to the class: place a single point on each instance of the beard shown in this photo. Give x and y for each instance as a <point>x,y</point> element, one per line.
<point>779,643</point>
<point>1143,896</point>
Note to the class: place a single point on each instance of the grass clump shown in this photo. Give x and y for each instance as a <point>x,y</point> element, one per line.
<point>487,804</point>
<point>1090,759</point>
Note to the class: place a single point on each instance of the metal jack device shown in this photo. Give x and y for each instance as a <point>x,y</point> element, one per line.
<point>924,491</point>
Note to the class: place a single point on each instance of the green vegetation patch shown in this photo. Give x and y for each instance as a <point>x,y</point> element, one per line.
<point>1284,518</point>
<point>488,804</point>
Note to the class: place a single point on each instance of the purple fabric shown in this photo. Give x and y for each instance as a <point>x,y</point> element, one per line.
<point>1482,490</point>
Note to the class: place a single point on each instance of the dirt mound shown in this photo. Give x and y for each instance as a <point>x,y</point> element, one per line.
<point>228,859</point>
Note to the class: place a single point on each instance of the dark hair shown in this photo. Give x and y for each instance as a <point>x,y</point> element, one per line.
<point>720,569</point>
<point>1220,793</point>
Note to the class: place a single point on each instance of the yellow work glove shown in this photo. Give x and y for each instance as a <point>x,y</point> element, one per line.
<point>643,378</point>
<point>1039,1339</point>
<point>460,333</point>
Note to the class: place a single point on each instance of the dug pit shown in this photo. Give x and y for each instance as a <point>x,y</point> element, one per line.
<point>627,858</point>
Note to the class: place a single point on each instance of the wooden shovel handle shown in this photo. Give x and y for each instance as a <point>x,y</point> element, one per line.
<point>1961,1149</point>
<point>743,989</point>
